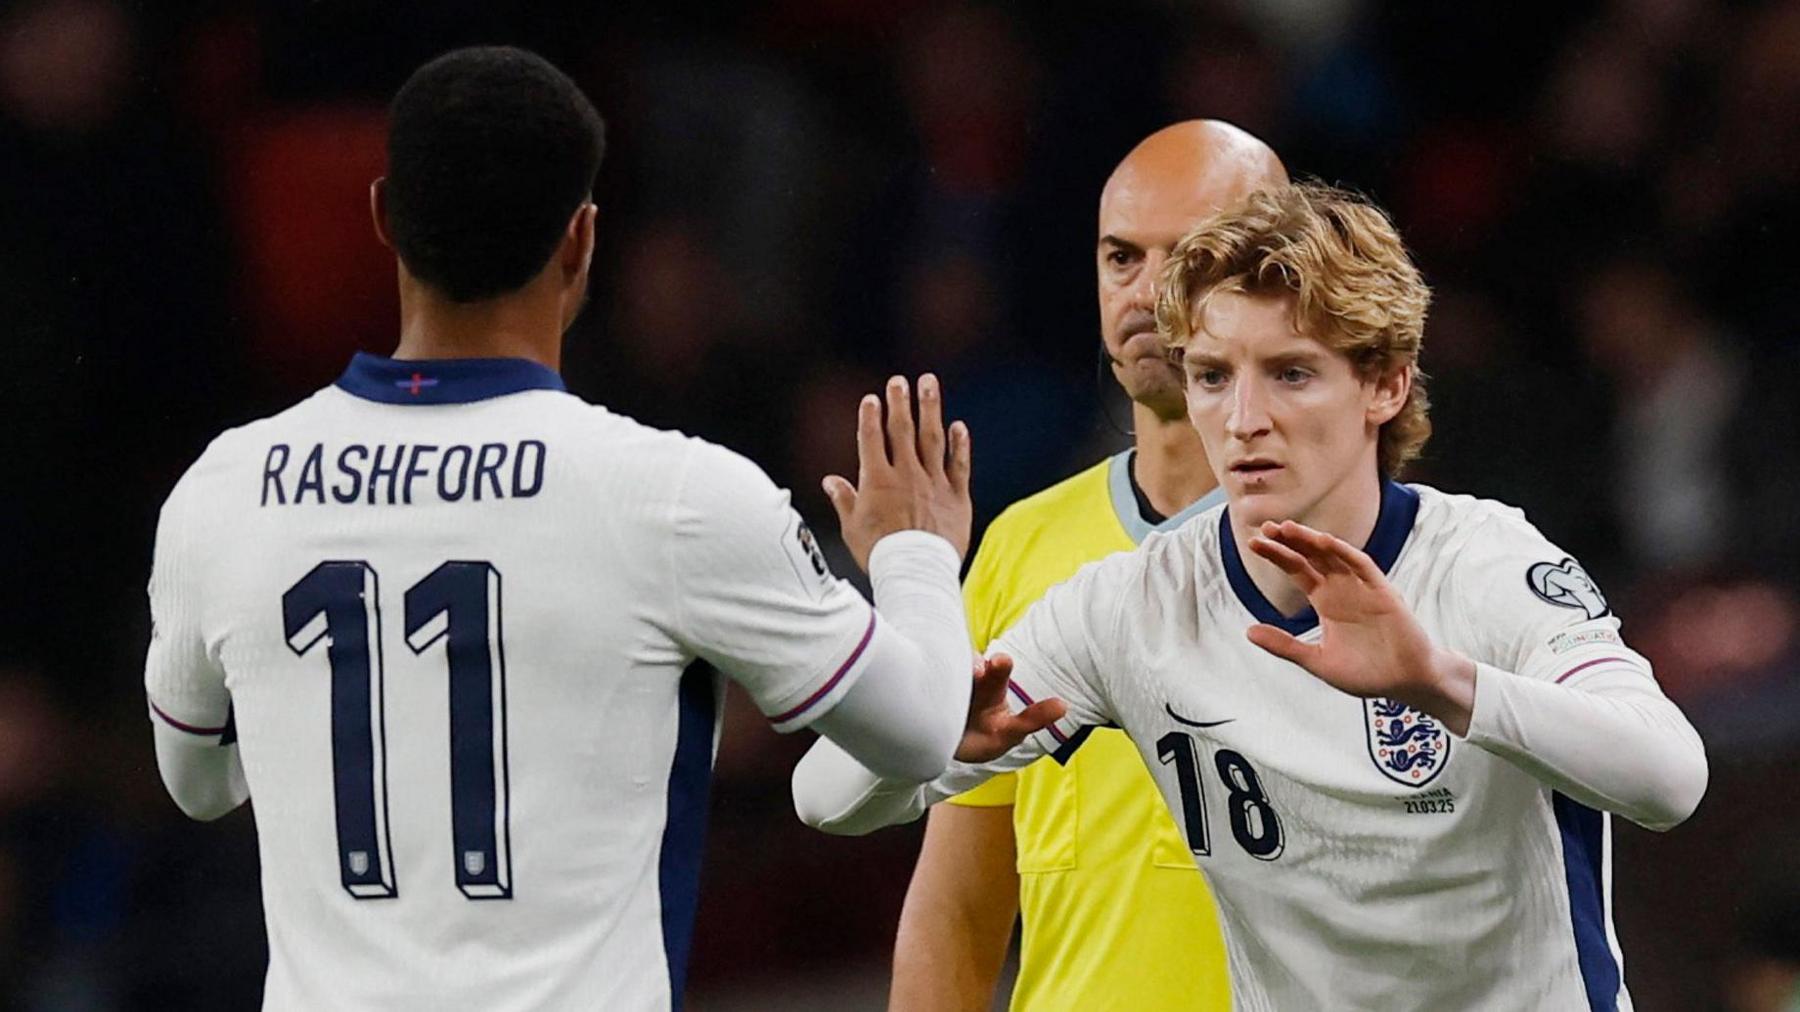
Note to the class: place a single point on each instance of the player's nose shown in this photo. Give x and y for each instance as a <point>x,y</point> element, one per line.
<point>1249,415</point>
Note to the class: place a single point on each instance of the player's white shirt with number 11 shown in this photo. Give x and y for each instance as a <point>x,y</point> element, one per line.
<point>1362,857</point>
<point>451,615</point>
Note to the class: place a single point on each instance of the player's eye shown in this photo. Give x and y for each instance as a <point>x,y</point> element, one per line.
<point>1119,258</point>
<point>1293,375</point>
<point>1210,379</point>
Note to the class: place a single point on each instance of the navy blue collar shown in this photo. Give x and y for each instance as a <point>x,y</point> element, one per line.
<point>1399,507</point>
<point>443,380</point>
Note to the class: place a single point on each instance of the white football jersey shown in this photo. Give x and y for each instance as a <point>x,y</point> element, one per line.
<point>1362,857</point>
<point>460,623</point>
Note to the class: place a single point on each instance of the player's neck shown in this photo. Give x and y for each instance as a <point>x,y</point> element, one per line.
<point>1349,513</point>
<point>519,325</point>
<point>1171,465</point>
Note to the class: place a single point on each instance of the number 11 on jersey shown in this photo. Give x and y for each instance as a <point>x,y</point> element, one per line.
<point>458,604</point>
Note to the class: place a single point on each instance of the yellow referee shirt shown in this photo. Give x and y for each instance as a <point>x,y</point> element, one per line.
<point>1116,915</point>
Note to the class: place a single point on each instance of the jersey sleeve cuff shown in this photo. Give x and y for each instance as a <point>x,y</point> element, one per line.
<point>221,731</point>
<point>1059,739</point>
<point>1484,713</point>
<point>825,695</point>
<point>915,547</point>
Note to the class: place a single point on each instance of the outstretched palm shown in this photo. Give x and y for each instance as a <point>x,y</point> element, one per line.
<point>1370,644</point>
<point>910,476</point>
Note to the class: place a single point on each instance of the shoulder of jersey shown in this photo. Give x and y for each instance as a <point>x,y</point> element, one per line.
<point>1189,551</point>
<point>562,414</point>
<point>252,437</point>
<point>1449,524</point>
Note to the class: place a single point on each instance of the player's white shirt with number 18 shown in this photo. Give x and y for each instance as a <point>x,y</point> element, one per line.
<point>451,616</point>
<point>1361,856</point>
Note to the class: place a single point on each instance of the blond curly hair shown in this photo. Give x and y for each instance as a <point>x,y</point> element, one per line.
<point>1355,288</point>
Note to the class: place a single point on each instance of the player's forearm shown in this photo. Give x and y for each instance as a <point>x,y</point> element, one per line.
<point>1613,741</point>
<point>903,716</point>
<point>835,793</point>
<point>206,780</point>
<point>915,580</point>
<point>1447,692</point>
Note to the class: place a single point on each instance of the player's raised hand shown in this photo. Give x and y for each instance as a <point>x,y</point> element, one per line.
<point>1370,644</point>
<point>910,476</point>
<point>993,729</point>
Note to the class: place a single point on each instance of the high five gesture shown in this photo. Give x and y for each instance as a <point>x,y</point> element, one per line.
<point>909,476</point>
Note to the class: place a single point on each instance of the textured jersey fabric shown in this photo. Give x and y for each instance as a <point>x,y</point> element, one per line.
<point>467,632</point>
<point>1114,914</point>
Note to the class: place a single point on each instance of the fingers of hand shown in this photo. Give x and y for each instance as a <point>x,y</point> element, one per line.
<point>931,426</point>
<point>871,449</point>
<point>1001,664</point>
<point>1298,567</point>
<point>990,686</point>
<point>1008,731</point>
<point>842,495</point>
<point>1039,715</point>
<point>1282,645</point>
<point>960,451</point>
<point>1307,543</point>
<point>1327,554</point>
<point>902,440</point>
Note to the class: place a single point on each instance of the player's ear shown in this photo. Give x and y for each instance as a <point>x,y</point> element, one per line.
<point>1389,391</point>
<point>578,242</point>
<point>378,210</point>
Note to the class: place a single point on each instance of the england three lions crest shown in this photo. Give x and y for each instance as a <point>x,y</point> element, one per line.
<point>1410,747</point>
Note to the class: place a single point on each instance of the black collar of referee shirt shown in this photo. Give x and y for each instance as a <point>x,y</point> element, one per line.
<point>1146,508</point>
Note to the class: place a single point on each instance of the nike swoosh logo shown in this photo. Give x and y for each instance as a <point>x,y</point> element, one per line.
<point>1195,723</point>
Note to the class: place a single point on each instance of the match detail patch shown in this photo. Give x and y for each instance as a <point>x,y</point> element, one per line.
<point>1562,643</point>
<point>803,553</point>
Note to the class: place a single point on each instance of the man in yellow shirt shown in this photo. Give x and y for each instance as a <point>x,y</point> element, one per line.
<point>1116,916</point>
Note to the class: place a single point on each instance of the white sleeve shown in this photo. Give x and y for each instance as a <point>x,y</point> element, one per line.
<point>1067,645</point>
<point>757,600</point>
<point>183,679</point>
<point>753,595</point>
<point>1557,691</point>
<point>205,779</point>
<point>190,707</point>
<point>1059,650</point>
<point>904,715</point>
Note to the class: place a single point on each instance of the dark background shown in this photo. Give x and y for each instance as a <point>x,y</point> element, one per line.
<point>802,196</point>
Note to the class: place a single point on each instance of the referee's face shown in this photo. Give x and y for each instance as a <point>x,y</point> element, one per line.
<point>1147,207</point>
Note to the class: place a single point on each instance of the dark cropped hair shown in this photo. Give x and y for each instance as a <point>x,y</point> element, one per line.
<point>490,150</point>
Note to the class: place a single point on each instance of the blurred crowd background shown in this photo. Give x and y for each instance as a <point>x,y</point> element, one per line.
<point>802,196</point>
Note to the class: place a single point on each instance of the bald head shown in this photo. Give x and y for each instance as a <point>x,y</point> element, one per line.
<point>1186,171</point>
<point>1170,182</point>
